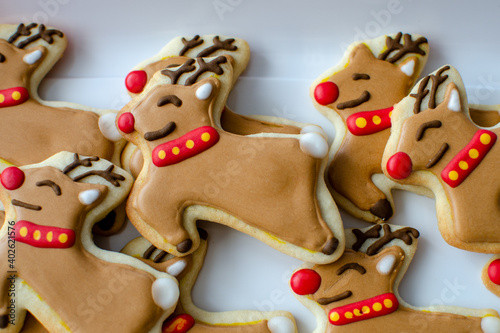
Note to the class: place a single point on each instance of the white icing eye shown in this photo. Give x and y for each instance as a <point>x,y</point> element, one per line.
<point>490,324</point>
<point>408,68</point>
<point>281,325</point>
<point>176,268</point>
<point>454,102</point>
<point>32,57</point>
<point>386,264</point>
<point>88,197</point>
<point>204,92</point>
<point>165,293</point>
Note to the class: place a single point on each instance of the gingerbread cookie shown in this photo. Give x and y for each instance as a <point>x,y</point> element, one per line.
<point>51,267</point>
<point>357,96</point>
<point>266,185</point>
<point>435,144</point>
<point>359,292</point>
<point>491,275</point>
<point>187,316</point>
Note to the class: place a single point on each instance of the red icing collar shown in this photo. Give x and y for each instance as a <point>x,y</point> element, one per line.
<point>42,236</point>
<point>369,122</point>
<point>462,165</point>
<point>188,145</point>
<point>179,324</point>
<point>377,306</point>
<point>13,96</point>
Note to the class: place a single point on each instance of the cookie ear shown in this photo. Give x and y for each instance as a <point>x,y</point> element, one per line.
<point>361,53</point>
<point>452,98</point>
<point>409,66</point>
<point>389,260</point>
<point>34,55</point>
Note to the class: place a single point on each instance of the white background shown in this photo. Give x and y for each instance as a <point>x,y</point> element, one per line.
<point>292,43</point>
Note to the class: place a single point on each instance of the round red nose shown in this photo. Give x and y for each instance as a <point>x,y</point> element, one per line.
<point>12,178</point>
<point>305,282</point>
<point>494,271</point>
<point>135,81</point>
<point>399,166</point>
<point>126,122</point>
<point>326,93</point>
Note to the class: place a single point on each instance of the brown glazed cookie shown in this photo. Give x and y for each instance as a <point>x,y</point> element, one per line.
<point>55,271</point>
<point>187,316</point>
<point>359,292</point>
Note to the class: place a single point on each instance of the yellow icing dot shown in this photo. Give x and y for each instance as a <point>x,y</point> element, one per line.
<point>390,114</point>
<point>388,303</point>
<point>49,236</point>
<point>63,238</point>
<point>334,316</point>
<point>176,150</point>
<point>453,175</point>
<point>190,144</point>
<point>16,95</point>
<point>473,153</point>
<point>357,313</point>
<point>485,138</point>
<point>2,98</point>
<point>365,309</point>
<point>348,315</point>
<point>377,306</point>
<point>162,154</point>
<point>37,234</point>
<point>205,136</point>
<point>23,232</point>
<point>361,122</point>
<point>376,120</point>
<point>463,165</point>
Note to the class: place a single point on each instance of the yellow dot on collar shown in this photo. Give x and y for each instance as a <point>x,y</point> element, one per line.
<point>190,144</point>
<point>334,316</point>
<point>2,98</point>
<point>485,138</point>
<point>453,175</point>
<point>16,95</point>
<point>176,150</point>
<point>348,315</point>
<point>361,122</point>
<point>50,236</point>
<point>365,309</point>
<point>162,154</point>
<point>357,313</point>
<point>463,165</point>
<point>37,235</point>
<point>390,114</point>
<point>473,153</point>
<point>376,120</point>
<point>377,306</point>
<point>63,238</point>
<point>23,232</point>
<point>205,137</point>
<point>388,303</point>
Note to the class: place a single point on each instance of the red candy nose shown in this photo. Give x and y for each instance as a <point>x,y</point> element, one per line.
<point>305,282</point>
<point>126,122</point>
<point>399,166</point>
<point>12,178</point>
<point>135,81</point>
<point>326,93</point>
<point>494,271</point>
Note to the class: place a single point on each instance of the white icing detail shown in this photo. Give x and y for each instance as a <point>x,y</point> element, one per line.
<point>165,293</point>
<point>204,92</point>
<point>281,325</point>
<point>454,102</point>
<point>176,268</point>
<point>88,197</point>
<point>408,68</point>
<point>490,324</point>
<point>108,128</point>
<point>32,57</point>
<point>314,129</point>
<point>386,264</point>
<point>314,145</point>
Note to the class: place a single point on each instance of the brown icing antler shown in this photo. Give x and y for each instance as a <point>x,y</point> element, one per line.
<point>190,44</point>
<point>212,66</point>
<point>43,33</point>
<point>158,258</point>
<point>175,75</point>
<point>436,81</point>
<point>420,95</point>
<point>218,45</point>
<point>107,174</point>
<point>87,162</point>
<point>404,234</point>
<point>409,46</point>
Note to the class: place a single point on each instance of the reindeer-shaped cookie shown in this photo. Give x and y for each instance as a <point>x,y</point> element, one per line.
<point>267,185</point>
<point>357,96</point>
<point>188,317</point>
<point>181,49</point>
<point>434,144</point>
<point>359,292</point>
<point>51,266</point>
